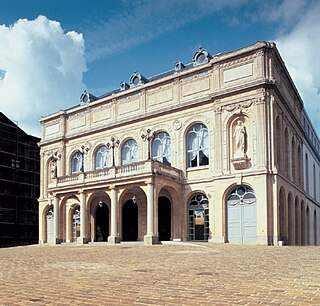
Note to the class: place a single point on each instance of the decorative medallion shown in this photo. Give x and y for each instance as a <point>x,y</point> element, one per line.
<point>177,124</point>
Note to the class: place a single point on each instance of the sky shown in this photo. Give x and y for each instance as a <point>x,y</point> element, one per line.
<point>51,51</point>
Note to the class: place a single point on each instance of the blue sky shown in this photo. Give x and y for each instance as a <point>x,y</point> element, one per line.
<point>46,62</point>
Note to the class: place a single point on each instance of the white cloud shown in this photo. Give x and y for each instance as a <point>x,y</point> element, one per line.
<point>145,20</point>
<point>285,12</point>
<point>300,50</point>
<point>42,69</point>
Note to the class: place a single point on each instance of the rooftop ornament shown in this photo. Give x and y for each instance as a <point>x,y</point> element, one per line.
<point>124,86</point>
<point>179,66</point>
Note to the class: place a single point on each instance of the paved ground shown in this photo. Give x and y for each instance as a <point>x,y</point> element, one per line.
<point>206,274</point>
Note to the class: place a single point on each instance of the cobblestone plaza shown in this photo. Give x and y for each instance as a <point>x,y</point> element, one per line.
<point>169,274</point>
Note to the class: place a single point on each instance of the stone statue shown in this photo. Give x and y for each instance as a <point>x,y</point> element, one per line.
<point>240,139</point>
<point>53,168</point>
<point>54,157</point>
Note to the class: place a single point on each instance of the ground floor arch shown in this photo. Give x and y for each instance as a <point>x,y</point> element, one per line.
<point>282,232</point>
<point>130,221</point>
<point>101,229</point>
<point>308,226</point>
<point>76,222</point>
<point>164,219</point>
<point>241,215</point>
<point>50,225</point>
<point>315,228</point>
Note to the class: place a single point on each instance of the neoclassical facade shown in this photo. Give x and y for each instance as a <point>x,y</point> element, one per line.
<point>213,150</point>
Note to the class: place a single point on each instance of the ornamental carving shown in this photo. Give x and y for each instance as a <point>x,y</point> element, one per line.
<point>243,60</point>
<point>177,124</point>
<point>237,106</point>
<point>240,163</point>
<point>159,89</point>
<point>76,115</point>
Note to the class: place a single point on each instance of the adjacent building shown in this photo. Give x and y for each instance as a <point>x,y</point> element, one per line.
<point>19,185</point>
<point>219,150</point>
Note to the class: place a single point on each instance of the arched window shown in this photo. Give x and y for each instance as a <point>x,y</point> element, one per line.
<point>278,142</point>
<point>76,163</point>
<point>102,158</point>
<point>293,160</point>
<point>308,227</point>
<point>307,174</point>
<point>299,165</point>
<point>314,182</point>
<point>286,151</point>
<point>199,217</point>
<point>129,152</point>
<point>161,148</point>
<point>198,146</point>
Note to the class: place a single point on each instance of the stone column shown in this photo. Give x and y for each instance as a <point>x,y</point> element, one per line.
<point>68,225</point>
<point>114,238</point>
<point>150,238</point>
<point>83,222</point>
<point>56,237</point>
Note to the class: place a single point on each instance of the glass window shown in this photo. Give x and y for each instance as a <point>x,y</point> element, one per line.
<point>198,146</point>
<point>77,162</point>
<point>129,152</point>
<point>241,194</point>
<point>161,148</point>
<point>102,158</point>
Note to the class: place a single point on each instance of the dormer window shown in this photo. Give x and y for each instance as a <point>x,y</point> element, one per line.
<point>87,97</point>
<point>137,79</point>
<point>201,57</point>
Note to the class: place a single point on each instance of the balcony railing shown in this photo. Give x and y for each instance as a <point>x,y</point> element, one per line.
<point>144,168</point>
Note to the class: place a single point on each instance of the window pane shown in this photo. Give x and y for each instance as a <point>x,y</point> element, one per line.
<point>197,146</point>
<point>102,157</point>
<point>129,152</point>
<point>161,148</point>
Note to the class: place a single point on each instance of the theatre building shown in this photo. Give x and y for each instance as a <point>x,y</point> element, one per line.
<point>215,150</point>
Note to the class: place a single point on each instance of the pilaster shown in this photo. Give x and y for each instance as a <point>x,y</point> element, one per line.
<point>56,237</point>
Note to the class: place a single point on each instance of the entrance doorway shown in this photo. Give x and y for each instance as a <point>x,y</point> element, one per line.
<point>130,221</point>
<point>242,215</point>
<point>102,223</point>
<point>50,227</point>
<point>164,219</point>
<point>199,218</point>
<point>76,223</point>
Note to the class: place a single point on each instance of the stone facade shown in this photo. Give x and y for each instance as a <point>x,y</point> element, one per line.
<point>209,151</point>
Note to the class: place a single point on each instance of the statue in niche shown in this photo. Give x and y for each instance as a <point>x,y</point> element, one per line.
<point>53,168</point>
<point>240,135</point>
<point>54,157</point>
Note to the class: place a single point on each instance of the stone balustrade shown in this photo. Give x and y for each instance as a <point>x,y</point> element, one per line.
<point>144,168</point>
